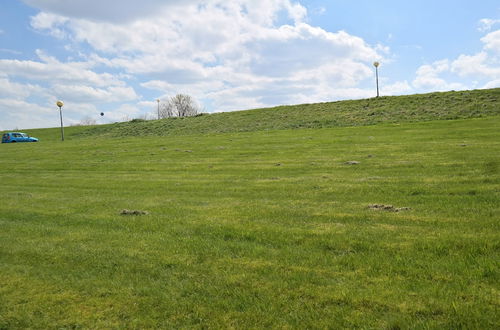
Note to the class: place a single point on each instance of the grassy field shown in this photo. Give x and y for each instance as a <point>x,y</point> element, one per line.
<point>254,229</point>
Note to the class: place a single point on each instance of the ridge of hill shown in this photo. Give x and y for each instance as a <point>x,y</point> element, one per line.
<point>387,109</point>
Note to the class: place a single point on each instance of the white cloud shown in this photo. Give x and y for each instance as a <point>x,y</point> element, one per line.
<point>124,112</point>
<point>486,24</point>
<point>233,54</point>
<point>10,51</point>
<point>79,102</point>
<point>74,82</point>
<point>20,112</point>
<point>397,88</point>
<point>226,34</point>
<point>13,90</point>
<point>492,41</point>
<point>428,76</point>
<point>475,65</point>
<point>147,104</point>
<point>292,49</point>
<point>483,67</point>
<point>318,11</point>
<point>49,69</point>
<point>50,23</point>
<point>158,85</point>
<point>225,48</point>
<point>83,94</point>
<point>492,84</point>
<point>124,11</point>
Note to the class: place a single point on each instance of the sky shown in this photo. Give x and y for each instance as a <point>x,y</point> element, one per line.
<point>119,56</point>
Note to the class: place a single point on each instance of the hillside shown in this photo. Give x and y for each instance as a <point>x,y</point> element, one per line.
<point>391,109</point>
<point>391,223</point>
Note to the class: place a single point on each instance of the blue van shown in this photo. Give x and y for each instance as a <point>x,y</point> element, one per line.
<point>13,137</point>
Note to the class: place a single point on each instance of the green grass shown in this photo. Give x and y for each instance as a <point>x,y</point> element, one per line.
<point>393,109</point>
<point>254,229</point>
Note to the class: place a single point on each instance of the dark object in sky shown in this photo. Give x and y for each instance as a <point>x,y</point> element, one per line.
<point>102,113</point>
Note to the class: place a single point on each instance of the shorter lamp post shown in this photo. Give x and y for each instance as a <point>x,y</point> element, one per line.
<point>158,100</point>
<point>60,105</point>
<point>376,65</point>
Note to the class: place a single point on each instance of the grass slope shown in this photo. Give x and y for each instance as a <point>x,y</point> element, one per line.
<point>393,109</point>
<point>254,230</point>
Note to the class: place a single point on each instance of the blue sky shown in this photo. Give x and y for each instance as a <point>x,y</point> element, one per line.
<point>118,57</point>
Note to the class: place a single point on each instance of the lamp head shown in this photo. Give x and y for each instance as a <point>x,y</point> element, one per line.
<point>59,104</point>
<point>376,64</point>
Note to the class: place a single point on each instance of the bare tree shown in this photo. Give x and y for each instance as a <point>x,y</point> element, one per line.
<point>180,105</point>
<point>166,110</point>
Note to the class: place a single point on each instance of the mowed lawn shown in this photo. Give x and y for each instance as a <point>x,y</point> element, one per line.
<point>255,230</point>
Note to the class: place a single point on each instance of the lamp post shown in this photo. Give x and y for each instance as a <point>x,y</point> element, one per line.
<point>60,105</point>
<point>158,100</point>
<point>376,65</point>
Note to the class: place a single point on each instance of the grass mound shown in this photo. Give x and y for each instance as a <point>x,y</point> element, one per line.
<point>391,109</point>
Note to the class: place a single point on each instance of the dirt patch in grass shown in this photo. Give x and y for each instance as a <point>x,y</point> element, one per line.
<point>389,208</point>
<point>133,212</point>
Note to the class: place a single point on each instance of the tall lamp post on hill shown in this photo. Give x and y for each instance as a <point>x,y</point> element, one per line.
<point>60,105</point>
<point>376,65</point>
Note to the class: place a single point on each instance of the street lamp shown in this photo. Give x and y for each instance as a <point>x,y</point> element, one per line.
<point>60,105</point>
<point>376,65</point>
<point>158,100</point>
